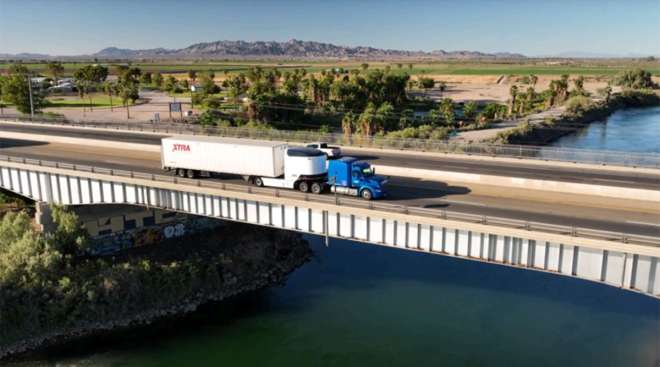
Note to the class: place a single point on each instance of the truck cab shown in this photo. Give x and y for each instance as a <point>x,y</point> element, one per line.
<point>350,176</point>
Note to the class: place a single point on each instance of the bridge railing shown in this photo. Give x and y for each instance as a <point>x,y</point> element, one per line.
<point>599,157</point>
<point>359,203</point>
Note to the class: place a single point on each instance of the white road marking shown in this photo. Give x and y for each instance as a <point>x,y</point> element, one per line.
<point>643,223</point>
<point>465,202</point>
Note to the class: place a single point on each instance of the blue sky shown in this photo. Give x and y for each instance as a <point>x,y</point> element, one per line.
<point>532,27</point>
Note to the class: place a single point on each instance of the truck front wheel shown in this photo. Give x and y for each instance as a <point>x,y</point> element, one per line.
<point>317,188</point>
<point>303,186</point>
<point>366,194</point>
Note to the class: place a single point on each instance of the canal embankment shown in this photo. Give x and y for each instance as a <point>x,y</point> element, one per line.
<point>579,113</point>
<point>61,298</point>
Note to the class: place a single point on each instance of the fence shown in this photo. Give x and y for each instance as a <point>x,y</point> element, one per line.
<point>358,203</point>
<point>599,157</point>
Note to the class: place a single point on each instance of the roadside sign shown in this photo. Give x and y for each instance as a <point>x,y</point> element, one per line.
<point>175,106</point>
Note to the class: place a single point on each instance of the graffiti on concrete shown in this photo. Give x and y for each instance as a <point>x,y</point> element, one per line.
<point>145,236</point>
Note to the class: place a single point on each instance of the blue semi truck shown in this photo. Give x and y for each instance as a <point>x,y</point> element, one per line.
<point>350,176</point>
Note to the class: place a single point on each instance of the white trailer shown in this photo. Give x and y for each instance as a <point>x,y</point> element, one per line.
<point>191,155</point>
<point>264,163</point>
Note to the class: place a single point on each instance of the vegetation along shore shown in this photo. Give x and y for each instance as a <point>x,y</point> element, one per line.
<point>53,291</point>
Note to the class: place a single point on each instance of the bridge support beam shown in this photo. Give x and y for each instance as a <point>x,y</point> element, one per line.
<point>44,217</point>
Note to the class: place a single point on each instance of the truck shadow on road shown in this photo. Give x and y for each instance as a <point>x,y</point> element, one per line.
<point>402,189</point>
<point>14,143</point>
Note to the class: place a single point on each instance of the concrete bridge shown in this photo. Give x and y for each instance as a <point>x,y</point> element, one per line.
<point>626,261</point>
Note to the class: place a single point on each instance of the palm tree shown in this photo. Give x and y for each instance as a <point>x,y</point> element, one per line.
<point>579,85</point>
<point>531,95</point>
<point>192,75</point>
<point>553,92</point>
<point>562,92</point>
<point>533,79</point>
<point>347,124</point>
<point>513,92</point>
<point>109,89</point>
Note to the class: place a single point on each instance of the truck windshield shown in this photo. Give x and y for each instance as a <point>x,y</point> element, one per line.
<point>367,171</point>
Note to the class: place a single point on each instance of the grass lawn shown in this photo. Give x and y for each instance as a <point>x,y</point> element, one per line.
<point>98,100</point>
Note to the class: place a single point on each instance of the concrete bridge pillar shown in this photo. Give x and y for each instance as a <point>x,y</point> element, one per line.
<point>43,217</point>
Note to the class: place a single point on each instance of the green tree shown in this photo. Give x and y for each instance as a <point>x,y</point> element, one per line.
<point>386,119</point>
<point>426,83</point>
<point>2,102</point>
<point>236,85</point>
<point>54,69</point>
<point>128,87</point>
<point>192,75</point>
<point>146,79</point>
<point>171,84</point>
<point>470,110</point>
<point>207,83</point>
<point>15,90</point>
<point>448,112</point>
<point>158,80</point>
<point>406,119</point>
<point>89,77</point>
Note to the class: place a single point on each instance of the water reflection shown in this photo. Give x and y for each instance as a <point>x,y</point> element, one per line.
<point>631,130</point>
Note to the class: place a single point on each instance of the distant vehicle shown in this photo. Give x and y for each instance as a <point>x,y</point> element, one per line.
<point>331,152</point>
<point>350,176</point>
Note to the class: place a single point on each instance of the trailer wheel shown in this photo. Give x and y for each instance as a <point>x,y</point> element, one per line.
<point>303,186</point>
<point>258,181</point>
<point>316,188</point>
<point>190,173</point>
<point>366,194</point>
<point>181,172</point>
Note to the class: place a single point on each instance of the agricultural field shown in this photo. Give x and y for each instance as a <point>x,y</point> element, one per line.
<point>533,66</point>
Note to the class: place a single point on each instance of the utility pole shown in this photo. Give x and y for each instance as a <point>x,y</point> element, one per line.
<point>29,80</point>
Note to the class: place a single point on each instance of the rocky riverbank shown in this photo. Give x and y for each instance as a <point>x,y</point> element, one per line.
<point>245,260</point>
<point>575,119</point>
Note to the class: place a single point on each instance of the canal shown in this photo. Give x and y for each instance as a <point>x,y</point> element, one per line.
<point>365,305</point>
<point>631,130</point>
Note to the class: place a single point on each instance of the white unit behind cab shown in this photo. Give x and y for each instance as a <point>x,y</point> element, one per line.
<point>224,155</point>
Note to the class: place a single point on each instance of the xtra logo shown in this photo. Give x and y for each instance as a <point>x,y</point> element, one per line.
<point>181,148</point>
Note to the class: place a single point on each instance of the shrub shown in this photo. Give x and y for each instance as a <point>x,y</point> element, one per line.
<point>635,79</point>
<point>578,104</point>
